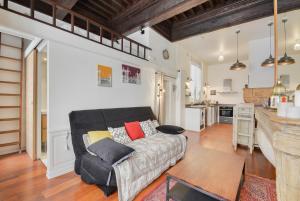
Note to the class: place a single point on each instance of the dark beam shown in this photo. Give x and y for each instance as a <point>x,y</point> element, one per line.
<point>150,12</point>
<point>232,14</point>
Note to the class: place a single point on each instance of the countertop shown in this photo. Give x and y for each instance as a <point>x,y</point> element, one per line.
<point>281,120</point>
<point>204,106</point>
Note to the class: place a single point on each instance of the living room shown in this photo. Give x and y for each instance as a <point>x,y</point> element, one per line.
<point>92,75</point>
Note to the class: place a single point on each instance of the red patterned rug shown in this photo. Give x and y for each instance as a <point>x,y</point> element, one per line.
<point>254,189</point>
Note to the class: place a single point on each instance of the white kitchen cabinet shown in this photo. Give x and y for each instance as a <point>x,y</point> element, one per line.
<point>195,119</point>
<point>243,125</point>
<point>212,112</point>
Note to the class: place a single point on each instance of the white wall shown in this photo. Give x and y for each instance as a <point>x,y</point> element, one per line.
<point>264,76</point>
<point>258,76</point>
<point>215,76</point>
<point>72,79</point>
<point>293,70</point>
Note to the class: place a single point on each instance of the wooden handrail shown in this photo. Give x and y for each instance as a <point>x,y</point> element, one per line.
<point>88,21</point>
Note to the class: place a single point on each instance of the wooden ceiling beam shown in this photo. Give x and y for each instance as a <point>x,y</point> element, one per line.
<point>232,14</point>
<point>150,12</point>
<point>108,5</point>
<point>83,8</point>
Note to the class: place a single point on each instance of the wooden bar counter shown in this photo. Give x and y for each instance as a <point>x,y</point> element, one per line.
<point>279,140</point>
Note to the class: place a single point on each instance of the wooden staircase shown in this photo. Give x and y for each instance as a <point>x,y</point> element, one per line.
<point>11,75</point>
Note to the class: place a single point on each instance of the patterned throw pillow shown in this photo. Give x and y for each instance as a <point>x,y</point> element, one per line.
<point>120,135</point>
<point>153,124</point>
<point>148,128</point>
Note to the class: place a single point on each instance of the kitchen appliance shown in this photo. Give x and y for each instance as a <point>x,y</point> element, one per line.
<point>225,114</point>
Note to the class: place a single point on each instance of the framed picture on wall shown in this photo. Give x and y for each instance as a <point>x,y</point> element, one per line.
<point>131,74</point>
<point>104,76</point>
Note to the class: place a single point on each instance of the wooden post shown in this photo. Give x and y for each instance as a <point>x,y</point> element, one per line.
<point>87,28</point>
<point>32,8</point>
<point>72,22</point>
<point>101,33</point>
<point>122,43</point>
<point>275,42</point>
<point>5,4</point>
<point>144,53</point>
<point>130,46</point>
<point>138,50</point>
<point>54,14</point>
<point>21,97</point>
<point>112,40</point>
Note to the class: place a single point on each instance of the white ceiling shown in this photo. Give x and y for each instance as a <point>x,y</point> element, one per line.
<point>207,47</point>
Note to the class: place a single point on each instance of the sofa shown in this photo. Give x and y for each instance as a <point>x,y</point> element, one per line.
<point>92,169</point>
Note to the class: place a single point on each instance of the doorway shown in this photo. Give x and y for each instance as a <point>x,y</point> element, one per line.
<point>165,105</point>
<point>36,103</point>
<point>42,103</point>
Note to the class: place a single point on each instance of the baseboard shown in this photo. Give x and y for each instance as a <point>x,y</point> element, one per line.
<point>63,169</point>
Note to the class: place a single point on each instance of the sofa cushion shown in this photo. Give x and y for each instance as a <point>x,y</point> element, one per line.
<point>169,129</point>
<point>110,151</point>
<point>95,136</point>
<point>120,135</point>
<point>148,128</point>
<point>134,130</point>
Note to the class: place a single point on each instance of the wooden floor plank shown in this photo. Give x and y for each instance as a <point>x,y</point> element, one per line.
<point>23,179</point>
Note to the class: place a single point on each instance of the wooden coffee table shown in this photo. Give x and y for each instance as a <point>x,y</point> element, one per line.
<point>206,174</point>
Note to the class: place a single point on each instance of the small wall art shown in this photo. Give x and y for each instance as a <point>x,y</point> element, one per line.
<point>131,74</point>
<point>104,76</point>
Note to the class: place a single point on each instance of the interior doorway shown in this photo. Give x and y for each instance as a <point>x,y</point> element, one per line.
<point>165,104</point>
<point>31,103</point>
<point>169,103</point>
<point>42,103</point>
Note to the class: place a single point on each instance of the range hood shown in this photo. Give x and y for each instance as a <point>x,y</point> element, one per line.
<point>227,87</point>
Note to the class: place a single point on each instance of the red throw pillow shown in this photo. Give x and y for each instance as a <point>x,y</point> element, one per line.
<point>134,130</point>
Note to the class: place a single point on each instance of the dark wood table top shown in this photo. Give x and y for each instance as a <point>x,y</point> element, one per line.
<point>213,171</point>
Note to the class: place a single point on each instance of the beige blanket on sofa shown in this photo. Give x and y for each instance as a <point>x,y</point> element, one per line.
<point>153,155</point>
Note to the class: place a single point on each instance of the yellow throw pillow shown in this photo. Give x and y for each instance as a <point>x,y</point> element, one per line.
<point>95,136</point>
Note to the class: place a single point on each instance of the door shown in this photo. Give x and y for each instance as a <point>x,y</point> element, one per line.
<point>169,104</point>
<point>31,103</point>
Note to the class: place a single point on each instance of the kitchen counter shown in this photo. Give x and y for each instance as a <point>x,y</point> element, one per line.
<point>279,140</point>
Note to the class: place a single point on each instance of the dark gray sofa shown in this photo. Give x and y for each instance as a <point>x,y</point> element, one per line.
<point>92,169</point>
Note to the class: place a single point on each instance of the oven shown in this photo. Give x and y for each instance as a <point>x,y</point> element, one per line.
<point>225,114</point>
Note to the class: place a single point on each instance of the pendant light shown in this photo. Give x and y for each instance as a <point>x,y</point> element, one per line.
<point>285,60</point>
<point>269,61</point>
<point>237,65</point>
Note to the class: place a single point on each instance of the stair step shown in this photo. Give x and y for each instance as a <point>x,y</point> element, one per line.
<point>9,106</point>
<point>10,70</point>
<point>10,58</point>
<point>9,131</point>
<point>9,144</point>
<point>7,45</point>
<point>9,119</point>
<point>4,94</point>
<point>9,82</point>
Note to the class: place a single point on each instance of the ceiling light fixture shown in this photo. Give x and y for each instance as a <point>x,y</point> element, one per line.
<point>269,61</point>
<point>142,30</point>
<point>221,58</point>
<point>237,65</point>
<point>285,60</point>
<point>297,45</point>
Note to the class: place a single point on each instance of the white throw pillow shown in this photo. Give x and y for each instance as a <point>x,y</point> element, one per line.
<point>120,135</point>
<point>147,128</point>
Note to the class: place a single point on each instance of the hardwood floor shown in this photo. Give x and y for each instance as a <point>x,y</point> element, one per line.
<point>24,180</point>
